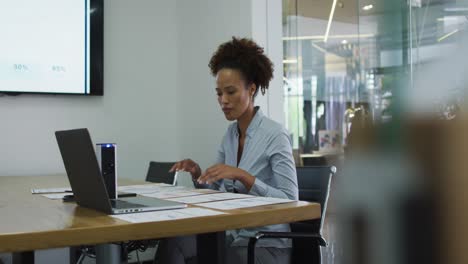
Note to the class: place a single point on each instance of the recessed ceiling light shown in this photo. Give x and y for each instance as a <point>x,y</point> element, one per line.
<point>344,42</point>
<point>456,9</point>
<point>290,61</point>
<point>367,7</point>
<point>447,35</point>
<point>452,18</point>
<point>332,13</point>
<point>318,37</point>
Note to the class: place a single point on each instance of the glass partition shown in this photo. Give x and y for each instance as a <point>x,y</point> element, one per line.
<point>322,76</point>
<point>358,61</point>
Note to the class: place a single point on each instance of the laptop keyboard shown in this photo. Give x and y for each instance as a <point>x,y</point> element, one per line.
<point>118,204</point>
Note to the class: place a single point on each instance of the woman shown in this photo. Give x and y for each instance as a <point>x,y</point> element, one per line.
<point>255,156</point>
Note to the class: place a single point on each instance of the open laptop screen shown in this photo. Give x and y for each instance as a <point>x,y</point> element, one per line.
<point>82,169</point>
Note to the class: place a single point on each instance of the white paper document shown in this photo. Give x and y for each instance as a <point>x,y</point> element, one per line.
<point>147,188</point>
<point>55,196</point>
<point>150,185</point>
<point>51,190</point>
<point>244,203</point>
<point>210,197</point>
<point>207,191</point>
<point>163,194</point>
<point>166,215</point>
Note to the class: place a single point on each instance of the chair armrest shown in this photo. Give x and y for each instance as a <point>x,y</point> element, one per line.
<point>321,241</point>
<point>260,235</point>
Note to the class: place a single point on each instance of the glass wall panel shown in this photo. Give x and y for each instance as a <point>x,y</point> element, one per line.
<point>375,82</point>
<point>359,60</point>
<point>321,76</point>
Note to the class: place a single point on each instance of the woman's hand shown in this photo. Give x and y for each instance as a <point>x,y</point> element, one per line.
<point>222,171</point>
<point>189,166</point>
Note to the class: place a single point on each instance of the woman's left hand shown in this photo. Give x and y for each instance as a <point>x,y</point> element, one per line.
<point>220,171</point>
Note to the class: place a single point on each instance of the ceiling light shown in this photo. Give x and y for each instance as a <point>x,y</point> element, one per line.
<point>317,37</point>
<point>448,35</point>
<point>290,61</point>
<point>367,7</point>
<point>344,42</point>
<point>332,13</point>
<point>456,9</point>
<point>446,18</point>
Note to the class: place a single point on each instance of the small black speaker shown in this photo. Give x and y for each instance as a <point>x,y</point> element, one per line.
<point>107,158</point>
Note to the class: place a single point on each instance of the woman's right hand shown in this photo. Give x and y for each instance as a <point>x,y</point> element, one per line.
<point>189,166</point>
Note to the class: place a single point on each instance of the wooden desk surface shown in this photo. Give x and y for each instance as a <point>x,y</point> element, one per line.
<point>29,222</point>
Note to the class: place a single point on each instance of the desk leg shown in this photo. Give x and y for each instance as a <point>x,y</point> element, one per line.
<point>26,257</point>
<point>210,248</point>
<point>108,254</point>
<point>75,254</point>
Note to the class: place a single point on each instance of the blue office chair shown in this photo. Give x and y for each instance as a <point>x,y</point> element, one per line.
<point>159,172</point>
<point>314,186</point>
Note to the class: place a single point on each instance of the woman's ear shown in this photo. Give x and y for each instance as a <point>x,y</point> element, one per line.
<point>252,89</point>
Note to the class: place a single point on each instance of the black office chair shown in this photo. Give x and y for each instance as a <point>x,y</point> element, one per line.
<point>314,186</point>
<point>159,172</point>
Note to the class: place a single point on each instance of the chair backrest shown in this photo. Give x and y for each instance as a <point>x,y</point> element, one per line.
<point>314,186</point>
<point>159,172</point>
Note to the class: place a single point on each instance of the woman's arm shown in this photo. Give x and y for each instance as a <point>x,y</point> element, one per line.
<point>283,167</point>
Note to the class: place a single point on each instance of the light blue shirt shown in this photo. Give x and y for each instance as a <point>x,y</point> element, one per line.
<point>267,155</point>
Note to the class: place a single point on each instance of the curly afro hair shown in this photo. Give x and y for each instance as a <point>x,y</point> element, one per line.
<point>247,57</point>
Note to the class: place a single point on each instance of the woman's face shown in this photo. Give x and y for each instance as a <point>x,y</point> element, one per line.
<point>234,95</point>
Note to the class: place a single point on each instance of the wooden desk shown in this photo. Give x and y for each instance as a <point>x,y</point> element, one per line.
<point>29,222</point>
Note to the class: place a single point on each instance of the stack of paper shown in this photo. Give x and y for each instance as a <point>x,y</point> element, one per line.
<point>163,194</point>
<point>244,203</point>
<point>55,196</point>
<point>210,197</point>
<point>166,215</point>
<point>51,190</point>
<point>207,191</point>
<point>161,191</point>
<point>145,188</point>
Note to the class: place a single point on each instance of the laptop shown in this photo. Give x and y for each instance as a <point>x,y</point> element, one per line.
<point>87,182</point>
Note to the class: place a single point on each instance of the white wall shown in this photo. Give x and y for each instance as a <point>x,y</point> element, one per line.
<point>159,101</point>
<point>137,111</point>
<point>203,25</point>
<point>267,32</point>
